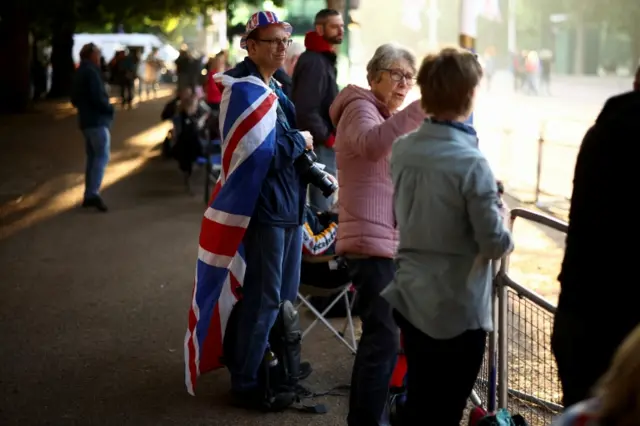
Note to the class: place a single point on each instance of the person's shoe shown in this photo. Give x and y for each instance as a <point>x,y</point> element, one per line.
<point>255,399</point>
<point>305,370</point>
<point>96,202</point>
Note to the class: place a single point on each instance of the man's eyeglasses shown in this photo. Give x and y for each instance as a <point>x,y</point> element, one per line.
<point>398,76</point>
<point>275,42</point>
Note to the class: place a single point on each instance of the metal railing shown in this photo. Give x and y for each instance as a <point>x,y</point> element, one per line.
<point>519,372</point>
<point>539,170</point>
<point>558,146</point>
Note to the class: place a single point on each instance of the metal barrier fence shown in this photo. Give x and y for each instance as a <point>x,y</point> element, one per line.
<point>539,170</point>
<point>519,372</point>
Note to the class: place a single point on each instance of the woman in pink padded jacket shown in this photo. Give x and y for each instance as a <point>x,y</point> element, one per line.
<point>367,124</point>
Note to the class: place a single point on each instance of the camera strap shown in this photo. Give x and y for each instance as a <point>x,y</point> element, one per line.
<point>282,117</point>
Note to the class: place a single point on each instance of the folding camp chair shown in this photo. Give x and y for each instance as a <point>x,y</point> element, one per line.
<point>326,276</point>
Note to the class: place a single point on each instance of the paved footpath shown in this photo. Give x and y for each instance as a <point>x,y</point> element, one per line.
<point>93,307</point>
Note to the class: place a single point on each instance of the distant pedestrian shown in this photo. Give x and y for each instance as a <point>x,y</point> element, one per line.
<point>95,115</point>
<point>546,59</point>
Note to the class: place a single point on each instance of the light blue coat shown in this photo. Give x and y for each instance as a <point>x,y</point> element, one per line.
<point>450,225</point>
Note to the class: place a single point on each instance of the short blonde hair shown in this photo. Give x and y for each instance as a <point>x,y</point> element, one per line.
<point>448,80</point>
<point>619,388</point>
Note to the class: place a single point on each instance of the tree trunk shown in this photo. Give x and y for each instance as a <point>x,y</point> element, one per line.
<point>15,81</point>
<point>62,66</point>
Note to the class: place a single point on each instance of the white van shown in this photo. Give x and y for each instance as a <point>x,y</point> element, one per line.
<point>111,43</point>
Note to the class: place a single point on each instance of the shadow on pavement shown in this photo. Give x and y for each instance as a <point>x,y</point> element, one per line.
<point>94,312</point>
<point>42,171</point>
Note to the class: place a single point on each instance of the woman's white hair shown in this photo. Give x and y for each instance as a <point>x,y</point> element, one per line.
<point>294,50</point>
<point>385,56</point>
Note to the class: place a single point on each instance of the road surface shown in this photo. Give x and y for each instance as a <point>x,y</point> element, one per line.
<point>94,306</point>
<point>511,125</point>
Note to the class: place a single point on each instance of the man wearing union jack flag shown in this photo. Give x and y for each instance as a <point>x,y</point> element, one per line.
<point>258,203</point>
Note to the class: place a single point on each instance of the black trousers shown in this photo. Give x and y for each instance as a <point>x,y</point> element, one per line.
<point>378,348</point>
<point>126,92</point>
<point>441,374</point>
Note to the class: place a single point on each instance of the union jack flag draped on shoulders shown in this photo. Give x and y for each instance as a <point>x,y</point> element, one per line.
<point>247,127</point>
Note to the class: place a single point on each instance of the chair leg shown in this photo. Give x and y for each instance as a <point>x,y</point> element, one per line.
<point>349,320</point>
<point>325,312</point>
<point>320,317</point>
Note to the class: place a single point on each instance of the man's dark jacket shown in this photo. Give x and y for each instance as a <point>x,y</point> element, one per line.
<point>315,88</point>
<point>283,192</point>
<point>599,279</point>
<point>89,96</point>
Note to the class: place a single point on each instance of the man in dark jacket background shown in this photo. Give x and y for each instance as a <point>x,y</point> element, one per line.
<point>95,114</point>
<point>314,89</point>
<point>598,304</point>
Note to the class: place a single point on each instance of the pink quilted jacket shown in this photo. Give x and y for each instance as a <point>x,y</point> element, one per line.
<point>365,132</point>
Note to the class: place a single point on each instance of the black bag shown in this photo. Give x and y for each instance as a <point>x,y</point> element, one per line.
<point>502,418</point>
<point>280,369</point>
<point>169,110</point>
<point>285,341</point>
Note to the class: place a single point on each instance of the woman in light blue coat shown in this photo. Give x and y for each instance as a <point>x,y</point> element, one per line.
<point>451,227</point>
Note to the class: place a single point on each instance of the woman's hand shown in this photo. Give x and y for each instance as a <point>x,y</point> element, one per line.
<point>308,139</point>
<point>332,178</point>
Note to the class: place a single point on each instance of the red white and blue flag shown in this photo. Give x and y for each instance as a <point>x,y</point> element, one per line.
<point>247,127</point>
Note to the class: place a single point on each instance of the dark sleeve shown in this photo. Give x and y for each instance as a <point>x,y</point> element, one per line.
<point>316,238</point>
<point>98,94</point>
<point>169,110</point>
<point>289,146</point>
<point>309,88</point>
<point>581,178</point>
<point>588,199</point>
<point>591,182</point>
<point>312,220</point>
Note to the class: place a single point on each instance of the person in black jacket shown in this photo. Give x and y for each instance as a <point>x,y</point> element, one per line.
<point>315,88</point>
<point>598,304</point>
<point>95,115</point>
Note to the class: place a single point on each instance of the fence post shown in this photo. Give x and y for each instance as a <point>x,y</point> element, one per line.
<point>539,161</point>
<point>492,358</point>
<point>503,331</point>
<point>503,349</point>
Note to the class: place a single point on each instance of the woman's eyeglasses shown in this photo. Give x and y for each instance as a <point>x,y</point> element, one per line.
<point>398,76</point>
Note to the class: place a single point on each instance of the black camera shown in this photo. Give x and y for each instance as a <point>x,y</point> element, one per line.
<point>307,166</point>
